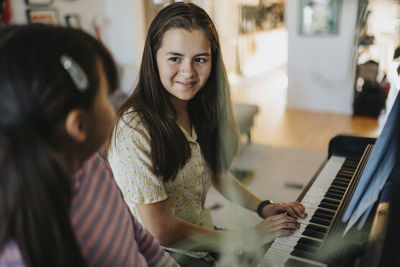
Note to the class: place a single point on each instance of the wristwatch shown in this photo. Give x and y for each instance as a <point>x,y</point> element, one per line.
<point>261,206</point>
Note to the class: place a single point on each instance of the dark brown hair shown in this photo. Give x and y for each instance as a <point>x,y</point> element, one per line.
<point>36,94</point>
<point>210,110</point>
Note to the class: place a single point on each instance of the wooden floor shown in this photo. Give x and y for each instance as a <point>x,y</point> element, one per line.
<point>310,130</point>
<point>277,126</point>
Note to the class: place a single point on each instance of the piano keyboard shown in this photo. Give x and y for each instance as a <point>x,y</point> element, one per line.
<point>321,202</point>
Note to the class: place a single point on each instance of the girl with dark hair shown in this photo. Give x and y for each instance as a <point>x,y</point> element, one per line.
<point>54,115</point>
<point>175,135</point>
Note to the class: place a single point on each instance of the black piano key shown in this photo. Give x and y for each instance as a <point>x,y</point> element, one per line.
<point>327,212</point>
<point>304,254</point>
<point>343,180</point>
<point>346,172</point>
<point>320,221</point>
<point>338,183</point>
<point>338,188</point>
<point>328,206</point>
<point>332,201</point>
<point>334,196</point>
<point>349,168</point>
<point>352,162</point>
<point>305,247</point>
<point>310,242</point>
<point>297,263</point>
<point>334,191</point>
<point>314,234</point>
<point>316,228</point>
<point>344,176</point>
<point>323,216</point>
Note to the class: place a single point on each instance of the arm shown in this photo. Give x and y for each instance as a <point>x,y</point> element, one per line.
<point>236,192</point>
<point>148,246</point>
<point>171,231</point>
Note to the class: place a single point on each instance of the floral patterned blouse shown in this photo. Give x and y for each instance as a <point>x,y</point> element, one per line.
<point>130,160</point>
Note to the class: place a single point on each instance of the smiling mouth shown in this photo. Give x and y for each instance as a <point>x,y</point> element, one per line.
<point>187,84</point>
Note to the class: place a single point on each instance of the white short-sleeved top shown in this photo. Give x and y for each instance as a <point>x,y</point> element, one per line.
<point>130,160</point>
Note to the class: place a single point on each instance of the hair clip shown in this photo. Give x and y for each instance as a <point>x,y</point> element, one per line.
<point>76,72</point>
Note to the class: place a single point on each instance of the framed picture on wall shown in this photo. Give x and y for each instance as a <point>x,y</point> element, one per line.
<point>39,2</point>
<point>73,20</point>
<point>44,16</point>
<point>319,17</point>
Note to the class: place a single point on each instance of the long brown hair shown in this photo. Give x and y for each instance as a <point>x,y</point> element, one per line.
<point>36,94</point>
<point>210,110</point>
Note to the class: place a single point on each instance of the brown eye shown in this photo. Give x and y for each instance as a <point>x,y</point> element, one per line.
<point>200,60</point>
<point>174,59</point>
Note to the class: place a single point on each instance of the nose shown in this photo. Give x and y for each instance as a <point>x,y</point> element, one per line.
<point>187,71</point>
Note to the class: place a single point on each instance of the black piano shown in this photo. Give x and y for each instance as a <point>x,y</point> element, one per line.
<point>320,240</point>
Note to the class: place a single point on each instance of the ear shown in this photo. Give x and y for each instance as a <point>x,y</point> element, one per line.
<point>76,125</point>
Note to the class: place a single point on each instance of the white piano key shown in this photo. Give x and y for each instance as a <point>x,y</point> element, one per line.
<point>288,240</point>
<point>277,255</point>
<point>308,261</point>
<point>282,247</point>
<point>271,263</point>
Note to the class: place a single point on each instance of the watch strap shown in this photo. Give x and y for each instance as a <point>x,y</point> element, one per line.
<point>261,206</point>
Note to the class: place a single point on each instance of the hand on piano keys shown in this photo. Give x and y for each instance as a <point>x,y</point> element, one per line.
<point>276,225</point>
<point>293,209</point>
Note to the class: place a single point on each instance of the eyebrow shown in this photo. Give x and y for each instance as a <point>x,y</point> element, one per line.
<point>179,54</point>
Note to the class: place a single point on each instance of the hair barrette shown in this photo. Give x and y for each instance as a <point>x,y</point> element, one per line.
<point>76,73</point>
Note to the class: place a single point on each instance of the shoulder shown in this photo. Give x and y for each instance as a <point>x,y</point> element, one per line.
<point>94,168</point>
<point>96,162</point>
<point>131,125</point>
<point>132,119</point>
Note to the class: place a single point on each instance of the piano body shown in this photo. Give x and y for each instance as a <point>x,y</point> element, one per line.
<point>320,240</point>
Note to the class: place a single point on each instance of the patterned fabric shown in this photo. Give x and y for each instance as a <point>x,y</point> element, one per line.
<point>130,160</point>
<point>105,229</point>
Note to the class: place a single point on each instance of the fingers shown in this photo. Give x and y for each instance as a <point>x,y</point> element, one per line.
<point>283,221</point>
<point>300,210</point>
<point>278,225</point>
<point>294,209</point>
<point>279,218</point>
<point>283,232</point>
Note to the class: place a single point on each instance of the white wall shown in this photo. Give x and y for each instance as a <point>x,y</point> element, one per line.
<point>122,28</point>
<point>225,17</point>
<point>126,36</point>
<point>90,8</point>
<point>321,70</point>
<point>384,26</point>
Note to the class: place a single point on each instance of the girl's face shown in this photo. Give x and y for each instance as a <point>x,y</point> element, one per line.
<point>184,62</point>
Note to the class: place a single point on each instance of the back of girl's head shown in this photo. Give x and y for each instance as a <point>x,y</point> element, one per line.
<point>36,93</point>
<point>35,88</point>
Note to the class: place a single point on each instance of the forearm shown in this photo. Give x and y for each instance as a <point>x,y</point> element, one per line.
<point>176,232</point>
<point>236,192</point>
<point>181,234</point>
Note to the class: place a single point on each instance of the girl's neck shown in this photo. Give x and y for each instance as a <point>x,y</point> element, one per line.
<point>182,114</point>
